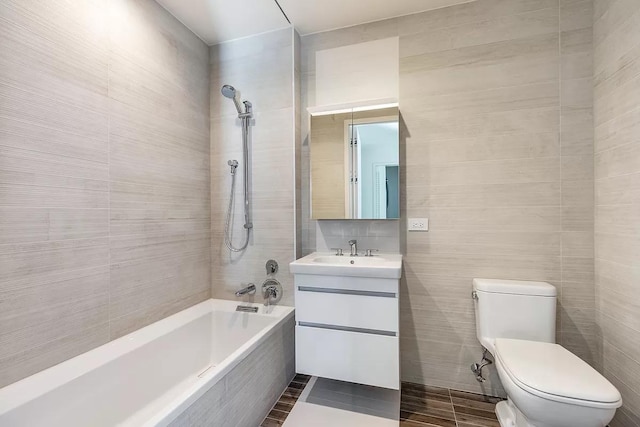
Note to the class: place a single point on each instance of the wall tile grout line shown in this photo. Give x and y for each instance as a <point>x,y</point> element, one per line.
<point>453,408</point>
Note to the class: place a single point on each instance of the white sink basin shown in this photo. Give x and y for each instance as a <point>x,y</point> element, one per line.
<point>385,266</point>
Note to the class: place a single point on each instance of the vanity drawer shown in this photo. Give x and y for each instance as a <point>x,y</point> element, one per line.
<point>356,283</point>
<point>361,358</point>
<point>359,309</point>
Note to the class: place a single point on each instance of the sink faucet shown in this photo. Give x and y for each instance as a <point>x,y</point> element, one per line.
<point>250,289</point>
<point>354,247</point>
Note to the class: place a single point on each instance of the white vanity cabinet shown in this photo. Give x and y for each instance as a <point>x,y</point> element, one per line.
<point>347,328</point>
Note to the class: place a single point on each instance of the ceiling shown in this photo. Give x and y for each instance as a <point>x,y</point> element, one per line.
<point>215,21</point>
<point>313,16</point>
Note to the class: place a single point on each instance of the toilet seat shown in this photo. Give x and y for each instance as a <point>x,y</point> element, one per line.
<point>551,372</point>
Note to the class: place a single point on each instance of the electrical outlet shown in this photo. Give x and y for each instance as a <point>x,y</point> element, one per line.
<point>418,224</point>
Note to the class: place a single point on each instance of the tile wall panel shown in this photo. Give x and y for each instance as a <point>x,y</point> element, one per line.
<point>495,103</point>
<point>104,175</point>
<point>617,198</point>
<point>261,68</point>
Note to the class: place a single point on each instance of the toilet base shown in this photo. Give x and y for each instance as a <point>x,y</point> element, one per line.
<point>509,416</point>
<point>505,415</point>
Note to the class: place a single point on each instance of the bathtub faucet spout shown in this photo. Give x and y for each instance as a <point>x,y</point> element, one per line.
<point>249,289</point>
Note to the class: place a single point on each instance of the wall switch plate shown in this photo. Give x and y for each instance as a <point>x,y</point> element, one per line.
<point>418,224</point>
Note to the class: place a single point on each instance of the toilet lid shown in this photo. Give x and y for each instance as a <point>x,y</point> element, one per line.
<point>550,371</point>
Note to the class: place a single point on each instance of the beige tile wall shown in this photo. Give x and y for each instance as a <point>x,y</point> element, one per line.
<point>104,175</point>
<point>262,69</point>
<point>617,210</point>
<point>577,309</point>
<point>495,117</point>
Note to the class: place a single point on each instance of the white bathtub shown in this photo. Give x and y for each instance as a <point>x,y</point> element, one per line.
<point>151,376</point>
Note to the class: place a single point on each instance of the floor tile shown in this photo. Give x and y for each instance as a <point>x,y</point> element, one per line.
<point>425,392</point>
<point>338,404</point>
<point>426,419</point>
<point>445,411</point>
<point>309,415</point>
<point>351,397</point>
<point>269,422</point>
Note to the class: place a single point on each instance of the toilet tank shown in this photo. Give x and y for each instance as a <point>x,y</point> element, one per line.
<point>514,309</point>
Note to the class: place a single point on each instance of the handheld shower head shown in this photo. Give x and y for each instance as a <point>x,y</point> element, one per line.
<point>230,92</point>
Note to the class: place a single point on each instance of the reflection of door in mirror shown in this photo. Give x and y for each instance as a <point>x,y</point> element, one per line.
<point>374,168</point>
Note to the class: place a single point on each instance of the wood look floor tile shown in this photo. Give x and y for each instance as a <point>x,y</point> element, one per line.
<point>474,404</point>
<point>425,392</point>
<point>474,401</point>
<point>465,395</point>
<point>425,388</point>
<point>278,415</point>
<point>426,419</point>
<point>270,422</point>
<point>478,424</point>
<point>480,413</point>
<point>297,385</point>
<point>284,407</point>
<point>470,420</point>
<point>406,423</point>
<point>445,411</point>
<point>427,402</point>
<point>288,400</point>
<point>292,392</point>
<point>301,378</point>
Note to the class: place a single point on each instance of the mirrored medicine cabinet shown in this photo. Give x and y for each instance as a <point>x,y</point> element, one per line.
<point>355,168</point>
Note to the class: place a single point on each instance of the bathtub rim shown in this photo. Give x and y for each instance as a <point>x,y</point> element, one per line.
<point>34,386</point>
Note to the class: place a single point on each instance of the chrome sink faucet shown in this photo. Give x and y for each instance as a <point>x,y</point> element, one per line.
<point>354,247</point>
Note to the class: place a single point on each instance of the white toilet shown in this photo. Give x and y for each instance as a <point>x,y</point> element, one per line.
<point>546,385</point>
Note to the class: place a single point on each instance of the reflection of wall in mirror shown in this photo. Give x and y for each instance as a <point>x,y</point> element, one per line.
<point>328,174</point>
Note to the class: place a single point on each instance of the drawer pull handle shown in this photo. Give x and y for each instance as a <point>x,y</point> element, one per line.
<point>347,329</point>
<point>347,292</point>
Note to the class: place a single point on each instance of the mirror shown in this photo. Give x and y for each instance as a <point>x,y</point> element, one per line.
<point>355,165</point>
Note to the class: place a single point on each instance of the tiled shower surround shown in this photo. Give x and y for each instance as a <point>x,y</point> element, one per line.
<point>104,175</point>
<point>261,68</point>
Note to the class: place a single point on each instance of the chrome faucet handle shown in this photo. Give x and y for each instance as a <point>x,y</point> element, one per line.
<point>368,252</point>
<point>338,251</point>
<point>271,291</point>
<point>354,247</point>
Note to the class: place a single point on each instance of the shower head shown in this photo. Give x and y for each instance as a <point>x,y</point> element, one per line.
<point>230,92</point>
